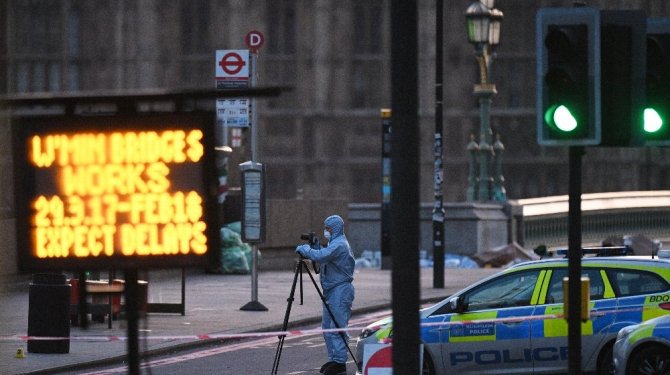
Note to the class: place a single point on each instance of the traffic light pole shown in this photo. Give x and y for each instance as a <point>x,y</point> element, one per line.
<point>405,187</point>
<point>574,260</point>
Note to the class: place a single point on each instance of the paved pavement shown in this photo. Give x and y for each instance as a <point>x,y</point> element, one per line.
<point>212,307</point>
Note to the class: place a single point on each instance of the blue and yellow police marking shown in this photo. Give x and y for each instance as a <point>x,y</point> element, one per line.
<point>472,330</point>
<point>609,292</point>
<point>641,333</point>
<point>539,293</point>
<point>652,307</point>
<point>558,327</point>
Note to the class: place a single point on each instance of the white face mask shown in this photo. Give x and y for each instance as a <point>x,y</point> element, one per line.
<point>326,234</point>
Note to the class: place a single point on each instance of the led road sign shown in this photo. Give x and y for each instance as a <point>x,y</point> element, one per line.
<point>115,192</point>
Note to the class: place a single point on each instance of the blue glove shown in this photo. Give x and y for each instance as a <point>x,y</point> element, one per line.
<point>302,249</point>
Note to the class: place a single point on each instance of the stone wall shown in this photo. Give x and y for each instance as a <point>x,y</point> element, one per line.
<point>287,220</point>
<point>468,227</point>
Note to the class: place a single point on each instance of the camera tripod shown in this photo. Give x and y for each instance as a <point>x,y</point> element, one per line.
<point>299,265</point>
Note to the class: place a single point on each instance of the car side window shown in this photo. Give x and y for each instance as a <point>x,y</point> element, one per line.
<point>515,289</point>
<point>555,290</point>
<point>636,282</point>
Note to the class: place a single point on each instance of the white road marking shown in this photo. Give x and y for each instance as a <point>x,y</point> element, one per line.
<point>227,348</point>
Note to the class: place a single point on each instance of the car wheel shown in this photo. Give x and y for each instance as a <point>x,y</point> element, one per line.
<point>428,367</point>
<point>650,360</point>
<point>605,362</point>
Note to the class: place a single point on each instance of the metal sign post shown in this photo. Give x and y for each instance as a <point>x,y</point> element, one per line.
<point>438,176</point>
<point>254,41</point>
<point>254,110</point>
<point>253,184</point>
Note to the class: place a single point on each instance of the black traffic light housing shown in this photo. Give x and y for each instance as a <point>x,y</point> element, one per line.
<point>657,82</point>
<point>622,64</point>
<point>568,76</point>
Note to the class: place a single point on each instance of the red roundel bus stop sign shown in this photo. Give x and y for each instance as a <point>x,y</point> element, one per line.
<point>232,63</point>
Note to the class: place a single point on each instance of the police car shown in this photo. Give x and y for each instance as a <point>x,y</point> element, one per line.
<point>644,348</point>
<point>512,322</point>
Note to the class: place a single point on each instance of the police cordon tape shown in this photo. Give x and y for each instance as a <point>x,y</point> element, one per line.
<point>316,331</point>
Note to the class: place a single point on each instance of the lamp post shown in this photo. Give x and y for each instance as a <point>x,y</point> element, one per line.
<point>483,26</point>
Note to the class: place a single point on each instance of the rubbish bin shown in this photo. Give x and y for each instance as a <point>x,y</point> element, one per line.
<point>49,313</point>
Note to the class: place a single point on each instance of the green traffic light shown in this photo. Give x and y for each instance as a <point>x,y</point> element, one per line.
<point>653,122</point>
<point>560,117</point>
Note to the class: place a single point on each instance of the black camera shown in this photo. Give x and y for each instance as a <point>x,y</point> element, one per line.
<point>311,239</point>
<point>313,242</point>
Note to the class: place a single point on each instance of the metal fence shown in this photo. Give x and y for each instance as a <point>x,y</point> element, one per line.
<point>604,215</point>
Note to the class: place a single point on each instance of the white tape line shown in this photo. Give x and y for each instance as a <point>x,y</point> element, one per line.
<point>316,331</point>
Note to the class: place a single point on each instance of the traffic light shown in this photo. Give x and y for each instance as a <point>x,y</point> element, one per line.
<point>568,76</point>
<point>622,63</point>
<point>656,124</point>
<point>591,78</point>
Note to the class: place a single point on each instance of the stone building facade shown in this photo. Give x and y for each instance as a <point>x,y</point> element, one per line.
<point>322,138</point>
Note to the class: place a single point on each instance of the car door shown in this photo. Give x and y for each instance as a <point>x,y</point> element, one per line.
<point>490,332</point>
<point>640,293</point>
<point>549,328</point>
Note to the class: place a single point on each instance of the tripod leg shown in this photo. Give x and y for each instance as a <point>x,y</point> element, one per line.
<point>289,300</point>
<point>332,316</point>
<point>301,294</point>
<point>280,346</point>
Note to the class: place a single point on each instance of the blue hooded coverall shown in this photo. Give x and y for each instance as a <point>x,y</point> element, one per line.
<point>337,273</point>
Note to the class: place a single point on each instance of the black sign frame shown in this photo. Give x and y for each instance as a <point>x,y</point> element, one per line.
<point>204,181</point>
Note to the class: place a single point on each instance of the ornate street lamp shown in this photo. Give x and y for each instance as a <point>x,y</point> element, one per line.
<point>483,27</point>
<point>478,20</point>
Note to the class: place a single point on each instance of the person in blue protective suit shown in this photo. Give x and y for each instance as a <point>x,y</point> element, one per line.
<point>337,274</point>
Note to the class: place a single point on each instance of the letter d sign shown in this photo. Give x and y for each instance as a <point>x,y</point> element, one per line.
<point>254,40</point>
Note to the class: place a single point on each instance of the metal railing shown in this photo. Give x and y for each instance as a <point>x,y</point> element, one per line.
<point>544,220</point>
